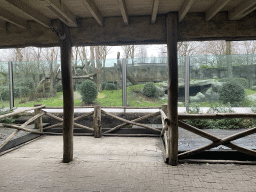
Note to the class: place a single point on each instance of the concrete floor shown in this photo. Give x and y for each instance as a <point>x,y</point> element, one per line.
<point>114,164</point>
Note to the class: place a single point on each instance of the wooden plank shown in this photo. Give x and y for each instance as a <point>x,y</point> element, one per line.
<point>10,17</point>
<point>35,14</point>
<point>83,116</point>
<point>185,8</point>
<point>217,161</point>
<point>154,11</point>
<point>93,9</point>
<point>239,11</point>
<point>68,93</point>
<point>241,149</point>
<point>62,11</point>
<point>172,40</point>
<point>123,9</point>
<point>215,8</point>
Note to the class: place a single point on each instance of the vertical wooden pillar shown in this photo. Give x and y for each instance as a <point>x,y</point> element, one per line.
<point>38,121</point>
<point>68,94</point>
<point>172,40</point>
<point>97,121</point>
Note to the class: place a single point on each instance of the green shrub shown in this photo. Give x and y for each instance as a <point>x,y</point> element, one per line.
<point>6,119</point>
<point>199,123</point>
<point>242,82</point>
<point>149,90</point>
<point>103,85</point>
<point>253,88</point>
<point>110,86</point>
<point>18,91</point>
<point>59,88</point>
<point>89,91</point>
<point>232,93</point>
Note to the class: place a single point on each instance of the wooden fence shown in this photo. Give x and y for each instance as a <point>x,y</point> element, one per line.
<point>96,130</point>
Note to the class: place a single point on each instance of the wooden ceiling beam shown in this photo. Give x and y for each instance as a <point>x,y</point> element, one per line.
<point>185,8</point>
<point>10,17</point>
<point>123,10</point>
<point>215,8</point>
<point>63,13</point>
<point>2,25</point>
<point>36,15</point>
<point>93,9</point>
<point>241,10</point>
<point>154,11</point>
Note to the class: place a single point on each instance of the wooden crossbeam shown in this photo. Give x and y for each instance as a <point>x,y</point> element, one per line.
<point>62,11</point>
<point>36,15</point>
<point>241,10</point>
<point>215,8</point>
<point>135,120</point>
<point>10,17</point>
<point>217,141</point>
<point>129,122</point>
<point>9,138</point>
<point>123,9</point>
<point>154,11</point>
<point>185,8</point>
<point>61,119</point>
<point>2,25</point>
<point>93,9</point>
<point>21,128</point>
<point>83,116</point>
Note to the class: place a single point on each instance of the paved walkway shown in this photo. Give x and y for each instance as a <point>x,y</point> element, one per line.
<point>114,164</point>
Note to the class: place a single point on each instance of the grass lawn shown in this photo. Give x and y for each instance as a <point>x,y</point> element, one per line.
<point>114,98</point>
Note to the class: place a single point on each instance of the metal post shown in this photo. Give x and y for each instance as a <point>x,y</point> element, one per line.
<point>187,78</point>
<point>10,69</point>
<point>124,62</point>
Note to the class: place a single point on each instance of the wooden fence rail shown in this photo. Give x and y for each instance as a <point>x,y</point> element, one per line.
<point>96,130</point>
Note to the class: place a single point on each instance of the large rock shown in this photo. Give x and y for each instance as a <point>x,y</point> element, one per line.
<point>200,97</point>
<point>211,95</point>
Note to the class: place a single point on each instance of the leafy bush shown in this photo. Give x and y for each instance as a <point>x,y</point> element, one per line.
<point>200,97</point>
<point>89,91</point>
<point>226,123</point>
<point>7,119</point>
<point>59,88</point>
<point>103,85</point>
<point>110,86</point>
<point>199,123</point>
<point>18,91</point>
<point>149,90</point>
<point>253,88</point>
<point>232,93</point>
<point>242,82</point>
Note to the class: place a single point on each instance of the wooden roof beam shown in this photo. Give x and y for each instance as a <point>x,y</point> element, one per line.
<point>2,25</point>
<point>215,8</point>
<point>63,13</point>
<point>93,9</point>
<point>37,16</point>
<point>10,17</point>
<point>244,8</point>
<point>185,8</point>
<point>123,10</point>
<point>154,11</point>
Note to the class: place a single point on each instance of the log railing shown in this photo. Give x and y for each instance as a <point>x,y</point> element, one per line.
<point>96,130</point>
<point>216,141</point>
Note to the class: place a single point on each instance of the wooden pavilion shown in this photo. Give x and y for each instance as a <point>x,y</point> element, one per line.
<point>68,23</point>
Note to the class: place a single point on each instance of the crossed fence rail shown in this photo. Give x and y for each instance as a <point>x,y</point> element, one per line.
<point>96,130</point>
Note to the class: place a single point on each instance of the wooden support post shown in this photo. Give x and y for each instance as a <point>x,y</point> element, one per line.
<point>172,39</point>
<point>97,121</point>
<point>38,121</point>
<point>68,94</point>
